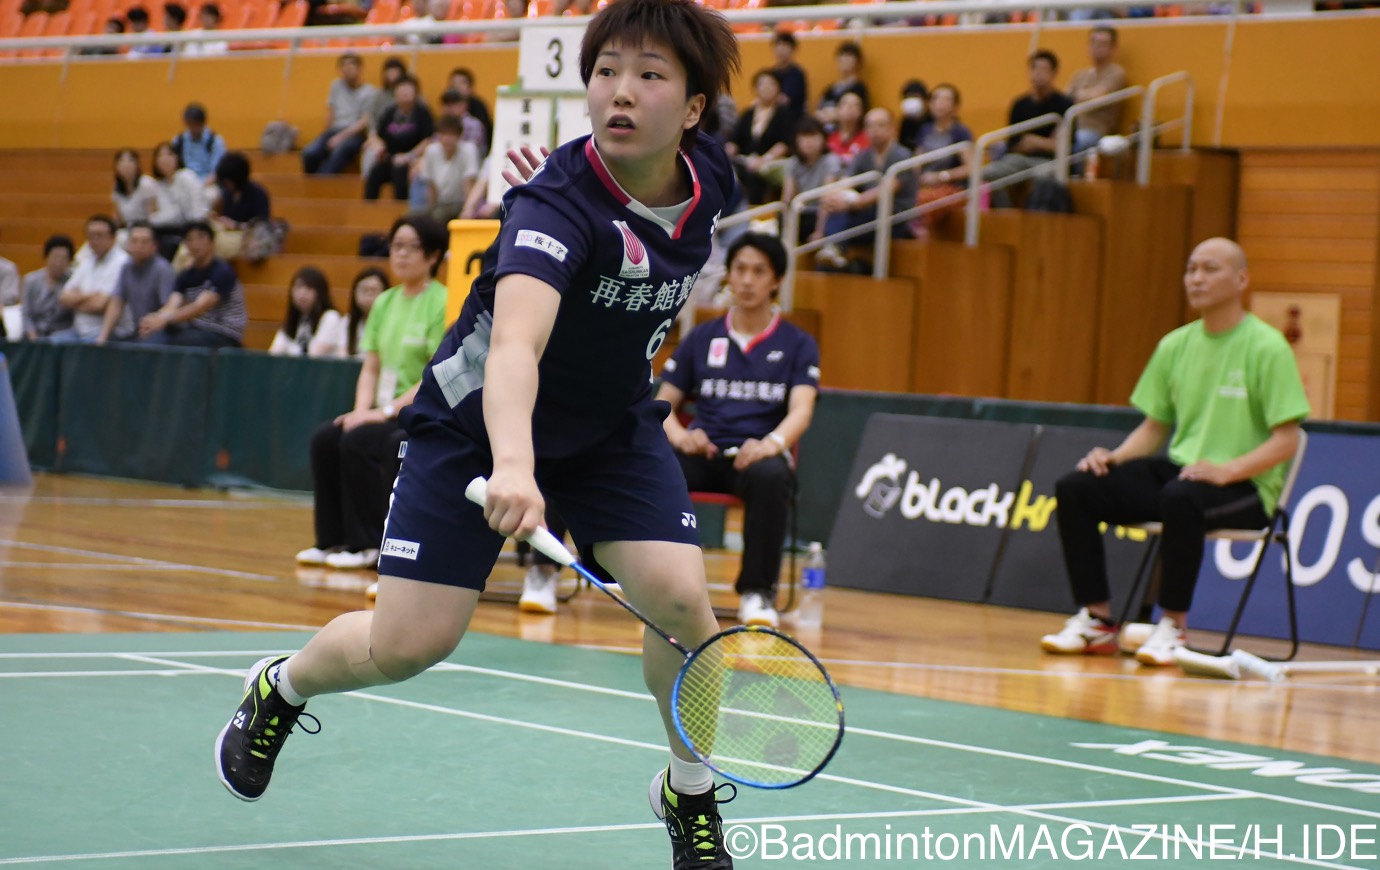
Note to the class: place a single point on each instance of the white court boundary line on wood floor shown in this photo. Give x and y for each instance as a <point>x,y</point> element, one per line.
<point>1216,792</point>
<point>134,560</point>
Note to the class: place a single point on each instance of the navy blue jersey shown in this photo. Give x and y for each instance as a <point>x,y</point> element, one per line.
<point>623,273</point>
<point>742,393</point>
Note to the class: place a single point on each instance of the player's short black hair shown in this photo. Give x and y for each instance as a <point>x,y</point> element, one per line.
<point>430,232</point>
<point>701,38</point>
<point>59,241</point>
<point>770,246</point>
<point>1045,55</point>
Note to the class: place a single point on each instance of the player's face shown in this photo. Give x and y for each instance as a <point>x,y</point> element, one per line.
<point>1214,276</point>
<point>637,103</point>
<point>752,280</point>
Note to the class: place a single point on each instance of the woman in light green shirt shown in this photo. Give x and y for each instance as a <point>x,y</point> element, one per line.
<point>354,456</point>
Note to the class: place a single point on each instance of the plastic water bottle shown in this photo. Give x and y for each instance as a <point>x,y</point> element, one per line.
<point>810,613</point>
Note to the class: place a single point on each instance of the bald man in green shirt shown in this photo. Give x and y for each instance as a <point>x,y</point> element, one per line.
<point>1225,392</point>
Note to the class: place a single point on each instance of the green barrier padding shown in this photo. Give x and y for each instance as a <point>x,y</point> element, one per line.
<point>34,377</point>
<point>134,412</point>
<point>264,409</point>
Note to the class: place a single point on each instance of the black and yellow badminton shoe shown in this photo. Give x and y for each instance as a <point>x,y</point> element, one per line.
<point>249,744</point>
<point>693,821</point>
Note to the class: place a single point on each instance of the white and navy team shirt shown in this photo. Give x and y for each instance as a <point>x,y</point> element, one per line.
<point>623,270</point>
<point>742,391</point>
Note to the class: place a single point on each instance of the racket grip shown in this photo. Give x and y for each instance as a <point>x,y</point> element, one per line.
<point>541,540</point>
<point>1258,667</point>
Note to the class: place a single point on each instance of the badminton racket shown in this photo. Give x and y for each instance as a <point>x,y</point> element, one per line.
<point>750,702</point>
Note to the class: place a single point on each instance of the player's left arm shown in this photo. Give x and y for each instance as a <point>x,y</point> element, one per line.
<point>1279,447</point>
<point>524,314</point>
<point>800,410</point>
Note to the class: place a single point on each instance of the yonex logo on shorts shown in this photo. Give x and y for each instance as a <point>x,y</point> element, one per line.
<point>401,549</point>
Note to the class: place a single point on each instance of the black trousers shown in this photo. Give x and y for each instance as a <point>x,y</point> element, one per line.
<point>384,172</point>
<point>1148,490</point>
<point>353,473</point>
<point>765,487</point>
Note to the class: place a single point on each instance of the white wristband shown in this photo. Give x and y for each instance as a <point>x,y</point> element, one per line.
<point>780,442</point>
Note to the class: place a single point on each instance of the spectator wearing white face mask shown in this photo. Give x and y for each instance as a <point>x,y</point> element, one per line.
<point>914,113</point>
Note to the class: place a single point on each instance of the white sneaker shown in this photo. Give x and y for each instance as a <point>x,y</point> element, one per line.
<point>755,609</point>
<point>1164,640</point>
<point>831,256</point>
<point>372,593</point>
<point>348,561</point>
<point>312,556</point>
<point>1082,633</point>
<point>539,591</point>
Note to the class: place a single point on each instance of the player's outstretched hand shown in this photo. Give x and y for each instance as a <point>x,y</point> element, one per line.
<point>1098,461</point>
<point>525,162</point>
<point>514,507</point>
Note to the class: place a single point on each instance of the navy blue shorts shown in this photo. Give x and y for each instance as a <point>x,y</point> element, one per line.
<point>627,488</point>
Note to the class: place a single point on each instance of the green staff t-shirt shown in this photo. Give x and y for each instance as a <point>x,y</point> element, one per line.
<point>404,331</point>
<point>1223,394</point>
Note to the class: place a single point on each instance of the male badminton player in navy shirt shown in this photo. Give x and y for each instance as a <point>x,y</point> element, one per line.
<point>754,378</point>
<point>545,380</point>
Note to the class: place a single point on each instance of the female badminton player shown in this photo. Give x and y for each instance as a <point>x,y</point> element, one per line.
<point>543,385</point>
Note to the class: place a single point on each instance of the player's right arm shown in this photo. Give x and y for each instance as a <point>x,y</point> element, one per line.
<point>524,313</point>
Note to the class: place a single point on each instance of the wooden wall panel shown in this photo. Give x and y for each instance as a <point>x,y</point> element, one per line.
<point>866,329</point>
<point>1214,179</point>
<point>1056,276</point>
<point>962,316</point>
<point>1145,245</point>
<point>1308,222</point>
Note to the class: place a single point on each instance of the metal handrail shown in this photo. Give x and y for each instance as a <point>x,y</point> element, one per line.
<point>751,214</point>
<point>886,202</point>
<point>790,228</point>
<point>1063,139</point>
<point>975,183</point>
<point>1147,120</point>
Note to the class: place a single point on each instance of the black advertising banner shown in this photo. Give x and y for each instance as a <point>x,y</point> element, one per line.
<point>927,504</point>
<point>1030,572</point>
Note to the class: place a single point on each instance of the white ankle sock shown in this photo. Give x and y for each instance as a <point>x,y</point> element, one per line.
<point>688,777</point>
<point>278,675</point>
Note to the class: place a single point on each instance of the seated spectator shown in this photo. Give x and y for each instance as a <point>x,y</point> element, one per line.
<point>394,71</point>
<point>404,130</point>
<point>180,199</point>
<point>427,13</point>
<point>209,18</point>
<point>914,113</point>
<point>9,283</point>
<point>753,378</point>
<point>138,19</point>
<point>455,105</point>
<point>1225,392</point>
<point>462,82</point>
<point>1105,76</point>
<point>87,292</point>
<point>763,136</point>
<point>812,166</point>
<point>1035,148</point>
<point>42,314</point>
<point>114,26</point>
<point>135,195</point>
<point>720,120</point>
<point>240,199</point>
<point>848,58</point>
<point>949,175</point>
<point>312,326</point>
<point>852,208</point>
<point>368,285</point>
<point>795,91</point>
<point>347,121</point>
<point>512,9</point>
<point>352,456</point>
<point>573,8</point>
<point>198,145</point>
<point>848,138</point>
<point>206,307</point>
<point>448,169</point>
<point>144,286</point>
<point>174,18</point>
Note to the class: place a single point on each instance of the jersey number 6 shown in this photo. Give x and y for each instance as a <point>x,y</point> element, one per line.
<point>658,337</point>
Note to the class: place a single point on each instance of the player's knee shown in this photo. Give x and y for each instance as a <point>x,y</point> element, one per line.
<point>768,475</point>
<point>1072,487</point>
<point>405,658</point>
<point>325,439</point>
<point>1177,502</point>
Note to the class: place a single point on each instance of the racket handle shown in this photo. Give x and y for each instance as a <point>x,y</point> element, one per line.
<point>541,540</point>
<point>1258,667</point>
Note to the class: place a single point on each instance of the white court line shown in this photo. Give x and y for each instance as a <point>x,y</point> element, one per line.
<point>134,560</point>
<point>876,786</point>
<point>589,829</point>
<point>20,675</point>
<point>147,502</point>
<point>160,658</point>
<point>92,566</point>
<point>158,617</point>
